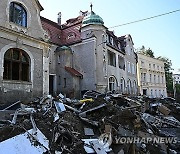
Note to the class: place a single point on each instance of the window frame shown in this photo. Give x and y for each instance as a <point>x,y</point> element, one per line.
<point>111,58</point>
<point>16,69</point>
<point>112,83</point>
<point>13,8</point>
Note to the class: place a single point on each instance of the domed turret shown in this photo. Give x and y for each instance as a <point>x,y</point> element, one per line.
<point>93,18</point>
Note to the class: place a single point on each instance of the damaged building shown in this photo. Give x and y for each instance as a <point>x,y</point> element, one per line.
<point>85,55</point>
<point>39,56</point>
<point>24,59</point>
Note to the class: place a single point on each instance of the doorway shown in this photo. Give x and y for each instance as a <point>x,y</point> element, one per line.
<point>52,84</point>
<point>144,91</point>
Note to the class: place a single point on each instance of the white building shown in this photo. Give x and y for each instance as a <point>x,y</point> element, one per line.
<point>151,76</point>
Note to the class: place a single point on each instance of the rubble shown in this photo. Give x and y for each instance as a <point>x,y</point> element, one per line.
<point>94,124</point>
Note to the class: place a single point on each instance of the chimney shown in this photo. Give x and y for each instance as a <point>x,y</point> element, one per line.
<point>59,18</point>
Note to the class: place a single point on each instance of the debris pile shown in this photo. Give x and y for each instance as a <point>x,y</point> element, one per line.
<point>99,123</point>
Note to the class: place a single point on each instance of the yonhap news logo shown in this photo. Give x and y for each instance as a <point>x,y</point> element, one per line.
<point>154,140</point>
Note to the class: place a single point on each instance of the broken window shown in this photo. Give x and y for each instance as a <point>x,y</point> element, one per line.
<point>111,58</point>
<point>16,65</point>
<point>18,14</point>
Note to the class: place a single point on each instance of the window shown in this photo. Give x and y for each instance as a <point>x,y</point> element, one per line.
<point>154,66</point>
<point>18,14</point>
<point>162,79</point>
<point>59,83</point>
<point>133,69</point>
<point>71,35</point>
<point>103,40</point>
<point>151,93</point>
<point>150,77</point>
<point>111,83</point>
<point>142,63</point>
<point>111,58</point>
<point>59,59</point>
<point>163,93</point>
<point>121,62</point>
<point>149,65</point>
<point>158,79</point>
<point>119,45</point>
<point>65,83</point>
<point>154,78</point>
<point>135,89</point>
<point>111,41</point>
<point>129,86</point>
<point>158,67</point>
<point>129,67</point>
<point>159,93</point>
<point>16,65</point>
<point>122,85</point>
<point>155,93</point>
<point>144,77</point>
<point>128,50</point>
<point>141,76</point>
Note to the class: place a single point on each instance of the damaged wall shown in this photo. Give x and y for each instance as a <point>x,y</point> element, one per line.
<point>23,54</point>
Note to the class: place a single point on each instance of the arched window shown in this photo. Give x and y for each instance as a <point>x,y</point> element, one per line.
<point>112,83</point>
<point>18,14</point>
<point>16,65</point>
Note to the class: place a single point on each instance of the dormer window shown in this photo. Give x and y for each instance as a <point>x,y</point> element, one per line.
<point>111,41</point>
<point>119,45</point>
<point>71,36</point>
<point>17,14</point>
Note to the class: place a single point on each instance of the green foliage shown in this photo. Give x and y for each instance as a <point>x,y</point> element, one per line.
<point>178,92</point>
<point>178,88</point>
<point>147,52</point>
<point>168,68</point>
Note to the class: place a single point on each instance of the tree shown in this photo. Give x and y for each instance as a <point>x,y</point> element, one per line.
<point>168,73</point>
<point>147,52</point>
<point>177,92</point>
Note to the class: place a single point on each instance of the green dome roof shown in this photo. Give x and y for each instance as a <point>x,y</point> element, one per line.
<point>93,19</point>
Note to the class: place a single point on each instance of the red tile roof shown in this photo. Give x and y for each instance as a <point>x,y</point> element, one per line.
<point>73,72</point>
<point>53,30</point>
<point>66,34</point>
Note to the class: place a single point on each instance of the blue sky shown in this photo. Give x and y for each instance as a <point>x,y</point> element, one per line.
<point>161,34</point>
